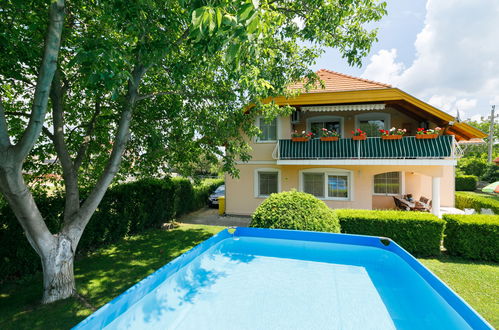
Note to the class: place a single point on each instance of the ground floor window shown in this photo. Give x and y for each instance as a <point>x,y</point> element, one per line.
<point>388,183</point>
<point>327,184</point>
<point>266,182</point>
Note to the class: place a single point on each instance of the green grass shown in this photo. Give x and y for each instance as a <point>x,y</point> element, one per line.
<point>109,271</point>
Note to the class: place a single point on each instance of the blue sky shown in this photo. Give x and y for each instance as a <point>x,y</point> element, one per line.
<point>445,52</point>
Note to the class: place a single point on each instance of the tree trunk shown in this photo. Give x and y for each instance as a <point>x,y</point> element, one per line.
<point>58,275</point>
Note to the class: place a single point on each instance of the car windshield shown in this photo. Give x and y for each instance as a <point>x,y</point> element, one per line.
<point>220,189</point>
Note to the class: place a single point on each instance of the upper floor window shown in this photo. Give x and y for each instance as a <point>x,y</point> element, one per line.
<point>388,183</point>
<point>269,130</point>
<point>371,123</point>
<point>331,123</point>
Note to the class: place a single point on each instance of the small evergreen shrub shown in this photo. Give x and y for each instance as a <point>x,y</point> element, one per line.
<point>473,236</point>
<point>491,173</point>
<point>466,182</point>
<point>295,210</point>
<point>418,232</point>
<point>476,201</point>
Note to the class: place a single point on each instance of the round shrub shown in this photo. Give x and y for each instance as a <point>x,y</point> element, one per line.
<point>295,210</point>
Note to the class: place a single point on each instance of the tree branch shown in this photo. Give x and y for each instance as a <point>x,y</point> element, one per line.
<point>4,133</point>
<point>47,70</point>
<point>88,134</point>
<point>75,228</point>
<point>149,96</point>
<point>72,202</point>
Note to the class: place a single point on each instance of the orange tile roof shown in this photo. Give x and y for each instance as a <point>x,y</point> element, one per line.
<point>339,82</point>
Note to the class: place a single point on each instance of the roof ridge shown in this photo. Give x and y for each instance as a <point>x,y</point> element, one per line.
<point>357,78</point>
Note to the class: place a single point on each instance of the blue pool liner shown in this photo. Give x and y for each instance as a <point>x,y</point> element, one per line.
<point>119,305</point>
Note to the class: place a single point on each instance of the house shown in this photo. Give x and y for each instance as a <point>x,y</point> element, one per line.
<point>347,173</point>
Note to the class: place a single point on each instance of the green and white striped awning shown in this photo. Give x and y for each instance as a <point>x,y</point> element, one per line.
<point>373,148</point>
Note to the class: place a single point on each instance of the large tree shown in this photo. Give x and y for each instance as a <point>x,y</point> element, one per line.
<point>151,82</point>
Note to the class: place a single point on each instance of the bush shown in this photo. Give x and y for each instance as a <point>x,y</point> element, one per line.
<point>125,209</point>
<point>417,232</point>
<point>476,201</point>
<point>466,182</point>
<point>475,165</point>
<point>472,236</point>
<point>491,173</point>
<point>295,210</point>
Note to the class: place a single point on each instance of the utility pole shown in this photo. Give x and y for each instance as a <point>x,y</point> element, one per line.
<point>491,133</point>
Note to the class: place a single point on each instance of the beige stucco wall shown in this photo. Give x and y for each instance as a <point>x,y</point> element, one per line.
<point>240,195</point>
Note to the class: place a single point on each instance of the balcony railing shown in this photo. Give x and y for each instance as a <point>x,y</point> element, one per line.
<point>373,148</point>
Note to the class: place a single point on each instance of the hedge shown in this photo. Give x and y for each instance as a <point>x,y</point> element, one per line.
<point>472,236</point>
<point>418,232</point>
<point>466,182</point>
<point>476,201</point>
<point>126,209</point>
<point>295,210</point>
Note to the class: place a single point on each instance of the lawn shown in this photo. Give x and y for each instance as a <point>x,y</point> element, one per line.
<point>107,272</point>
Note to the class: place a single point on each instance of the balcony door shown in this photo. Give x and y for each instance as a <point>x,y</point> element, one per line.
<point>371,123</point>
<point>331,123</point>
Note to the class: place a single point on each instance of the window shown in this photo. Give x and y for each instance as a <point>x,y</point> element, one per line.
<point>337,186</point>
<point>372,127</point>
<point>313,183</point>
<point>269,130</point>
<point>327,183</point>
<point>331,123</point>
<point>387,183</point>
<point>372,122</point>
<point>266,182</point>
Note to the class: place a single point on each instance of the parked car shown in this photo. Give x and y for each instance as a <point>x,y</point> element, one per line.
<point>213,199</point>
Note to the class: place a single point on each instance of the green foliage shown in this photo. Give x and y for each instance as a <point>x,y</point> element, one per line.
<point>491,173</point>
<point>472,236</point>
<point>295,210</point>
<point>126,209</point>
<point>476,201</point>
<point>474,165</point>
<point>417,232</point>
<point>466,182</point>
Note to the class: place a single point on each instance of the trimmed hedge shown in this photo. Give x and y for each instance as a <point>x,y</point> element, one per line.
<point>476,201</point>
<point>466,182</point>
<point>417,232</point>
<point>472,236</point>
<point>126,209</point>
<point>295,210</point>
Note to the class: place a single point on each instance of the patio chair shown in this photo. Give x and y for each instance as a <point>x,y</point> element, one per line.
<point>423,205</point>
<point>400,205</point>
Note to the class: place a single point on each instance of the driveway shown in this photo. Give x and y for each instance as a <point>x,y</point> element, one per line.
<point>210,217</point>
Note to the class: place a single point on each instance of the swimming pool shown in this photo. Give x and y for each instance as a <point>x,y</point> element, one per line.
<point>250,278</point>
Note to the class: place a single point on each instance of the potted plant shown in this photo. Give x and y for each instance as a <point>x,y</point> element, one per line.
<point>301,137</point>
<point>359,135</point>
<point>392,134</point>
<point>327,135</point>
<point>422,133</point>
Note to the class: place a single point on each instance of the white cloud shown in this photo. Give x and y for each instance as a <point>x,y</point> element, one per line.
<point>457,58</point>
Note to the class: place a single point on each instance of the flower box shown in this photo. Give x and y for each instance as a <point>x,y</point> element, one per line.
<point>300,139</point>
<point>391,137</point>
<point>426,136</point>
<point>359,137</point>
<point>329,138</point>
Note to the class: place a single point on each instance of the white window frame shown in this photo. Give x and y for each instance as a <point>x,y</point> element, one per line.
<point>327,172</point>
<point>321,119</point>
<point>256,179</point>
<point>373,116</point>
<point>402,184</point>
<point>278,128</point>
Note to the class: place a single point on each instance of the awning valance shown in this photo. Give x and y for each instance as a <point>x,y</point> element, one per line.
<point>345,107</point>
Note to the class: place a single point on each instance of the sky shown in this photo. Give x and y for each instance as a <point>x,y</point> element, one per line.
<point>444,52</point>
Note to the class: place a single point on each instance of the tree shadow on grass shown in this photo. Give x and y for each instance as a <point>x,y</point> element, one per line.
<point>100,277</point>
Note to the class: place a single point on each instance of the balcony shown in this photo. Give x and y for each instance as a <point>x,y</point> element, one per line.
<point>408,148</point>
